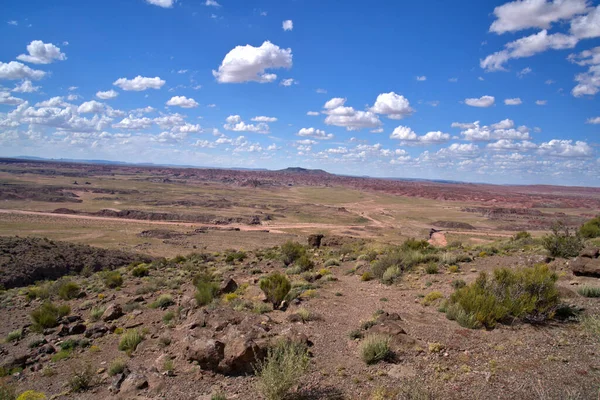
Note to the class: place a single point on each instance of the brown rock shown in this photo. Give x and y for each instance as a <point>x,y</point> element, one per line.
<point>590,252</point>
<point>17,361</point>
<point>96,331</point>
<point>113,311</point>
<point>387,328</point>
<point>134,381</point>
<point>586,266</point>
<point>242,354</point>
<point>228,286</point>
<point>207,352</point>
<point>315,240</point>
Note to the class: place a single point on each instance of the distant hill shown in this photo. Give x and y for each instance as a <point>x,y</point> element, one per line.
<point>298,170</point>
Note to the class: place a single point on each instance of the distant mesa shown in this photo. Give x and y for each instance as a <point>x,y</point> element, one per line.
<point>298,170</point>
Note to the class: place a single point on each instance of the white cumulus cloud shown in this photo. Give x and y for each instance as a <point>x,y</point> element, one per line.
<point>264,119</point>
<point>26,87</point>
<point>42,53</point>
<point>483,101</point>
<point>393,105</point>
<point>162,3</point>
<point>287,25</point>
<point>513,102</point>
<point>139,83</point>
<point>15,70</point>
<point>182,101</point>
<point>235,123</point>
<point>566,148</point>
<point>248,63</point>
<point>107,95</point>
<point>595,120</point>
<point>315,133</point>
<point>90,107</point>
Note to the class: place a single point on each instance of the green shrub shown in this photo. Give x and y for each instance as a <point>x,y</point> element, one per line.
<point>587,291</point>
<point>168,317</point>
<point>130,340</point>
<point>261,308</point>
<point>163,301</point>
<point>47,315</point>
<point>431,297</point>
<point>591,324</point>
<point>96,313</point>
<point>116,367</point>
<point>38,292</point>
<point>275,286</point>
<point>455,312</point>
<point>218,396</point>
<point>140,271</point>
<point>82,379</point>
<point>591,229</point>
<point>529,294</point>
<point>523,235</point>
<point>32,395</point>
<point>414,244</point>
<point>331,262</point>
<point>14,335</point>
<point>291,251</point>
<point>7,391</point>
<point>375,348</point>
<point>205,292</point>
<point>561,242</point>
<point>284,366</point>
<point>68,290</point>
<point>366,276</point>
<point>233,256</point>
<point>112,279</point>
<point>304,263</point>
<point>431,269</point>
<point>458,283</point>
<point>390,274</point>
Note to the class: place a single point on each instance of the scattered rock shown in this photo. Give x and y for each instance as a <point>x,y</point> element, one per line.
<point>207,352</point>
<point>96,331</point>
<point>590,252</point>
<point>242,354</point>
<point>113,311</point>
<point>134,381</point>
<point>315,240</point>
<point>228,286</point>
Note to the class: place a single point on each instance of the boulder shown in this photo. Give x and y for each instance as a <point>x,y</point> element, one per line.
<point>207,352</point>
<point>113,311</point>
<point>315,240</point>
<point>17,361</point>
<point>388,328</point>
<point>228,286</point>
<point>96,331</point>
<point>242,354</point>
<point>586,266</point>
<point>590,252</point>
<point>134,381</point>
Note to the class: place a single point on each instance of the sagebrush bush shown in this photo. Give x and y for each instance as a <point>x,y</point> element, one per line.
<point>588,291</point>
<point>116,367</point>
<point>112,279</point>
<point>331,263</point>
<point>32,395</point>
<point>591,229</point>
<point>38,292</point>
<point>232,256</point>
<point>140,271</point>
<point>529,294</point>
<point>281,370</point>
<point>431,269</point>
<point>458,283</point>
<point>291,251</point>
<point>431,297</point>
<point>130,340</point>
<point>96,313</point>
<point>366,276</point>
<point>561,242</point>
<point>375,348</point>
<point>15,335</point>
<point>47,315</point>
<point>7,391</point>
<point>68,290</point>
<point>163,301</point>
<point>275,286</point>
<point>205,292</point>
<point>390,274</point>
<point>82,379</point>
<point>521,236</point>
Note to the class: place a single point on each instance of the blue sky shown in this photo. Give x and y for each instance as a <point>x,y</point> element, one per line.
<point>489,91</point>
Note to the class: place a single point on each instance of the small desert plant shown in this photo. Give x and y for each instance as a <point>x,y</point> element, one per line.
<point>285,364</point>
<point>168,317</point>
<point>588,291</point>
<point>366,276</point>
<point>32,395</point>
<point>205,292</point>
<point>591,324</point>
<point>38,292</point>
<point>304,263</point>
<point>140,271</point>
<point>453,269</point>
<point>81,379</point>
<point>261,308</point>
<point>7,391</point>
<point>112,279</point>
<point>47,315</point>
<point>68,290</point>
<point>116,367</point>
<point>529,294</point>
<point>523,235</point>
<point>218,396</point>
<point>431,269</point>
<point>561,242</point>
<point>96,313</point>
<point>375,348</point>
<point>14,335</point>
<point>591,229</point>
<point>291,251</point>
<point>390,274</point>
<point>233,256</point>
<point>129,341</point>
<point>458,283</point>
<point>431,297</point>
<point>331,262</point>
<point>163,301</point>
<point>275,286</point>
<point>305,314</point>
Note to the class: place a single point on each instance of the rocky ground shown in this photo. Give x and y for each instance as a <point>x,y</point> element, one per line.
<point>188,351</point>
